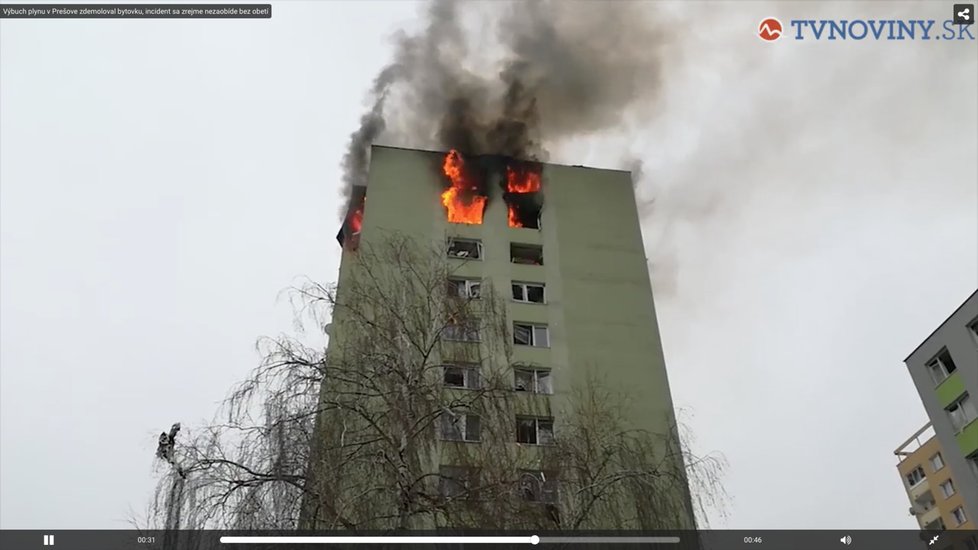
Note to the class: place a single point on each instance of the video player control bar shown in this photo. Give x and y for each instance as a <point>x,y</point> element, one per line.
<point>534,539</point>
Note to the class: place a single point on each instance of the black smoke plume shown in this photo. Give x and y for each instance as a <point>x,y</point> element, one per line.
<point>563,70</point>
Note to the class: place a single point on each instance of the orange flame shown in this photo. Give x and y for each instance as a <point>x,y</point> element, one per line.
<point>356,218</point>
<point>462,199</point>
<point>520,181</point>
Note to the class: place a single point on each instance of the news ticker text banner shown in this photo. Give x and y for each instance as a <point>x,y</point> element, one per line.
<point>135,11</point>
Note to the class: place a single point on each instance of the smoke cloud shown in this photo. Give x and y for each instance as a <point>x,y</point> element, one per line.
<point>564,70</point>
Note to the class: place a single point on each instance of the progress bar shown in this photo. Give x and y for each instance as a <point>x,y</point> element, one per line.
<point>534,539</point>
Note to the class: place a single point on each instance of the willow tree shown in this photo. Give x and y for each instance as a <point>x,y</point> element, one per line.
<point>418,417</point>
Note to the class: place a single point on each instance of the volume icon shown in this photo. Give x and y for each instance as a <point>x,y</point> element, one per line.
<point>847,540</point>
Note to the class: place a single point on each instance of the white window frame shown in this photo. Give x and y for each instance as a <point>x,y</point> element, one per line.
<point>938,464</point>
<point>964,412</point>
<point>938,369</point>
<point>525,292</point>
<point>479,249</point>
<point>546,491</point>
<point>917,479</point>
<point>534,339</point>
<point>535,375</point>
<point>460,287</point>
<point>457,481</point>
<point>947,489</point>
<point>963,519</point>
<point>467,331</point>
<point>471,380</point>
<point>537,421</point>
<point>453,422</point>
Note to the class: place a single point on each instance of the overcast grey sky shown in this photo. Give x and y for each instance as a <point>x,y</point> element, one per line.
<point>816,216</point>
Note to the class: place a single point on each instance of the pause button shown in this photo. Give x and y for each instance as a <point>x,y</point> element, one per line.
<point>48,540</point>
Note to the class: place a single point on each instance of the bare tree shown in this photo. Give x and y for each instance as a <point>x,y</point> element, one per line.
<point>411,421</point>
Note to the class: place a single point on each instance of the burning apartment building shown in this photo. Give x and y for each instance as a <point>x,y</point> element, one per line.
<point>561,249</point>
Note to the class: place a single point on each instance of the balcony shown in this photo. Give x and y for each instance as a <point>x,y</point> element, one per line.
<point>930,517</point>
<point>920,491</point>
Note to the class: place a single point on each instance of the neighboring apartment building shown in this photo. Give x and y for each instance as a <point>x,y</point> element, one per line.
<point>935,498</point>
<point>564,246</point>
<point>944,368</point>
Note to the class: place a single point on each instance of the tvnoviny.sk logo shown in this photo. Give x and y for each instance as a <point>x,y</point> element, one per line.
<point>770,29</point>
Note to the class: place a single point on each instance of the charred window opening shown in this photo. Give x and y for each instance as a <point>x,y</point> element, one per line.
<point>466,249</point>
<point>465,198</point>
<point>531,254</point>
<point>349,235</point>
<point>524,200</point>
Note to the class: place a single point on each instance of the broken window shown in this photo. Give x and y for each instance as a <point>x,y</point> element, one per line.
<point>469,249</point>
<point>941,366</point>
<point>465,288</point>
<point>524,210</point>
<point>531,254</point>
<point>528,292</point>
<point>462,330</point>
<point>457,426</point>
<point>461,376</point>
<point>537,486</point>
<point>526,334</point>
<point>458,481</point>
<point>522,194</point>
<point>961,412</point>
<point>533,380</point>
<point>534,431</point>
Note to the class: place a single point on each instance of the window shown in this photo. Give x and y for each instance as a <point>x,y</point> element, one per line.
<point>961,412</point>
<point>537,486</point>
<point>947,489</point>
<point>457,481</point>
<point>461,376</point>
<point>973,463</point>
<point>941,366</point>
<point>958,515</point>
<point>465,330</point>
<point>531,254</point>
<point>936,462</point>
<point>533,380</point>
<point>465,288</point>
<point>526,334</point>
<point>460,427</point>
<point>973,329</point>
<point>915,476</point>
<point>535,431</point>
<point>528,292</point>
<point>469,249</point>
